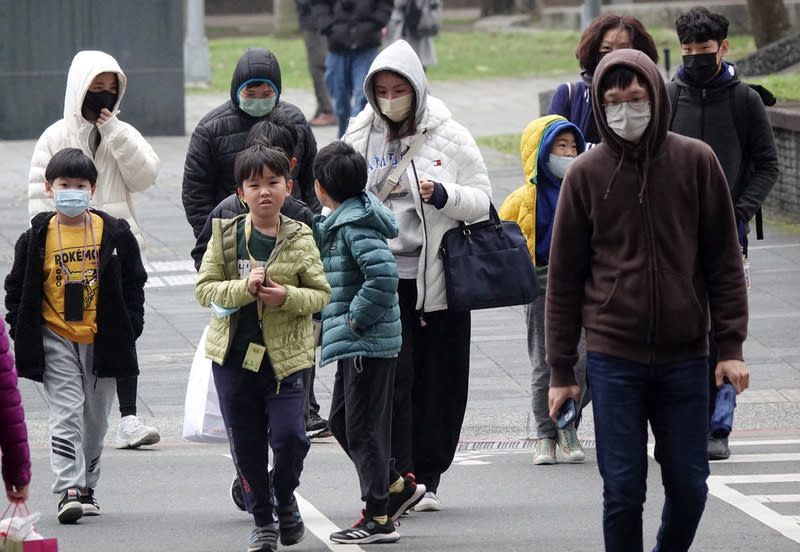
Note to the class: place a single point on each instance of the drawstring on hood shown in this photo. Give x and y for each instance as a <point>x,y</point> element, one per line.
<point>656,133</point>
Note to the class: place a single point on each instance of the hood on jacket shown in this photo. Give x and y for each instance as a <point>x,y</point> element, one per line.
<point>399,57</point>
<point>365,210</point>
<point>649,75</point>
<point>86,65</point>
<point>537,140</point>
<point>255,64</point>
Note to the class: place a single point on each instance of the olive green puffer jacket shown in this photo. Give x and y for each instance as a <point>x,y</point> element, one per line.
<point>294,263</point>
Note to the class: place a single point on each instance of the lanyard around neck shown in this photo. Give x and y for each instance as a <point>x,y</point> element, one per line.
<point>86,228</point>
<point>248,229</point>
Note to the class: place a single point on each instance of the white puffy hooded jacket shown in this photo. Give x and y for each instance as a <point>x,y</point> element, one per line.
<point>449,156</point>
<point>125,162</point>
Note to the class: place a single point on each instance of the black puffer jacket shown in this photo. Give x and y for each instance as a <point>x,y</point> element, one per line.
<point>222,134</point>
<point>232,207</point>
<point>120,299</point>
<point>351,24</point>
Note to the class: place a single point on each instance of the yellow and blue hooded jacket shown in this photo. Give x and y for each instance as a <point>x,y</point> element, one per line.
<point>533,205</point>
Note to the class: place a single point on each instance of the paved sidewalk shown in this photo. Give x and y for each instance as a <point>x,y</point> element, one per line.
<point>499,404</point>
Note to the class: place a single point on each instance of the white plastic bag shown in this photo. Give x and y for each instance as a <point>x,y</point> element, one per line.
<point>202,420</point>
<point>19,528</point>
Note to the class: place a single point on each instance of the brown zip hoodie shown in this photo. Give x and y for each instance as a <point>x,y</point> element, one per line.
<point>644,247</point>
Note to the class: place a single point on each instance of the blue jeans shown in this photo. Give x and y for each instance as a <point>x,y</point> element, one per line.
<point>344,76</point>
<point>674,399</point>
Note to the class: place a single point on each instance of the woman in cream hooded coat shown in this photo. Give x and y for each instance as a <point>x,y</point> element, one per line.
<point>446,182</point>
<point>125,163</point>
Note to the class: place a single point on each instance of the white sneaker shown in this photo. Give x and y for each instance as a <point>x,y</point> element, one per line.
<point>429,503</point>
<point>133,433</point>
<point>544,451</point>
<point>570,446</point>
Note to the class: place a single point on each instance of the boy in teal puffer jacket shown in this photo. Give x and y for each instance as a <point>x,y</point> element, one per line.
<point>360,328</point>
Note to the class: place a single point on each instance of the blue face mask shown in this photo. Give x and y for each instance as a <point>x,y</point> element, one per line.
<point>558,165</point>
<point>257,107</point>
<point>72,202</point>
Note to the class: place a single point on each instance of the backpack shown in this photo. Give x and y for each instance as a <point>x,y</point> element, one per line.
<point>738,100</point>
<point>423,17</point>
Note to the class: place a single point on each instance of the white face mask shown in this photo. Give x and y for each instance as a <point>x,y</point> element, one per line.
<point>629,120</point>
<point>558,164</point>
<point>395,109</point>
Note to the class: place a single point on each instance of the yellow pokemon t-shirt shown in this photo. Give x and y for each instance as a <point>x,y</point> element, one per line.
<point>71,253</point>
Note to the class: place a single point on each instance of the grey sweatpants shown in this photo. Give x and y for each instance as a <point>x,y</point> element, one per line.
<point>79,404</point>
<point>540,377</point>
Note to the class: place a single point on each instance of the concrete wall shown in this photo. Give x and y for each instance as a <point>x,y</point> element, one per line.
<point>784,199</point>
<point>40,38</point>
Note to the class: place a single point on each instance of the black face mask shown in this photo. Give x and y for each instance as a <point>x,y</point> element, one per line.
<point>700,68</point>
<point>96,101</point>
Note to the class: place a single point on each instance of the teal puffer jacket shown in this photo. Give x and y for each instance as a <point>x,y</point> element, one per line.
<point>362,273</point>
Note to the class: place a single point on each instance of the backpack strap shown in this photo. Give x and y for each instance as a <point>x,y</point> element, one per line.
<point>674,91</point>
<point>739,113</point>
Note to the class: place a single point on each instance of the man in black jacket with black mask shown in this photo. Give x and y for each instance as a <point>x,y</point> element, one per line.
<point>710,103</point>
<point>222,133</point>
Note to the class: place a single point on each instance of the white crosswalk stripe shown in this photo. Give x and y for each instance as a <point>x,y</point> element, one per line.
<point>746,491</point>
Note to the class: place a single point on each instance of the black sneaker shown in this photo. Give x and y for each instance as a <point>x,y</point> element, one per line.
<point>400,503</point>
<point>291,524</point>
<point>237,493</point>
<point>718,447</point>
<point>70,508</point>
<point>264,539</point>
<point>366,531</point>
<point>317,426</point>
<point>89,503</point>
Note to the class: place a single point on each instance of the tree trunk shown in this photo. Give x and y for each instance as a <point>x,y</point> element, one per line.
<point>284,17</point>
<point>770,20</point>
<point>496,7</point>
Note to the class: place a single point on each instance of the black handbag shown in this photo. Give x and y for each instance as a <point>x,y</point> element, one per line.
<point>487,265</point>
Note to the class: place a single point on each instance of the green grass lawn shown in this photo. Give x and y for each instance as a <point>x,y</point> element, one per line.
<point>474,55</point>
<point>462,55</point>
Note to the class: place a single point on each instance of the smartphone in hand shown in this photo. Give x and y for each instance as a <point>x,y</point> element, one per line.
<point>566,413</point>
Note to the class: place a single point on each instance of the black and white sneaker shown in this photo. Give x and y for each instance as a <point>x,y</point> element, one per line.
<point>400,503</point>
<point>317,426</point>
<point>367,531</point>
<point>70,508</point>
<point>89,503</point>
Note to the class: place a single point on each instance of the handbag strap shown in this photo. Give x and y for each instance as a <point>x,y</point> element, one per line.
<point>400,168</point>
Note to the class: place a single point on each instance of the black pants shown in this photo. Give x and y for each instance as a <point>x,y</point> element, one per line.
<point>430,389</point>
<point>126,395</point>
<point>361,420</point>
<point>257,414</point>
<point>310,406</point>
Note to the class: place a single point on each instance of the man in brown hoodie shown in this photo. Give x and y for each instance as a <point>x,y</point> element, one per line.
<point>644,254</point>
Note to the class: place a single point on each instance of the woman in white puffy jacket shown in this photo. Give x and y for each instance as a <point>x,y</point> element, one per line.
<point>125,163</point>
<point>446,182</point>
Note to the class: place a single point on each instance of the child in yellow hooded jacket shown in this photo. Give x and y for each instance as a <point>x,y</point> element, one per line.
<point>547,147</point>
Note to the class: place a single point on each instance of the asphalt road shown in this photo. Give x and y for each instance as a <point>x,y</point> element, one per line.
<point>173,496</point>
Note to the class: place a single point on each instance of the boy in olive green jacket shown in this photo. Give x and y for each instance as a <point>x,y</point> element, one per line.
<point>263,279</point>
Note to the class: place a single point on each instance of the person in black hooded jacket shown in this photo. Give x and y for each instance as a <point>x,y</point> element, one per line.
<point>710,103</point>
<point>222,133</point>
